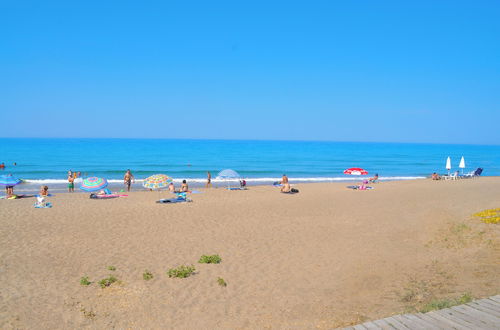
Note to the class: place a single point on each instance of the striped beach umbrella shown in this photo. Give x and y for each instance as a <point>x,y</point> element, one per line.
<point>157,181</point>
<point>9,180</point>
<point>356,171</point>
<point>93,183</point>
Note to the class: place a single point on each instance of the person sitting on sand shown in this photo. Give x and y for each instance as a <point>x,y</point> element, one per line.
<point>184,186</point>
<point>284,182</point>
<point>286,188</point>
<point>71,182</point>
<point>435,176</point>
<point>363,185</point>
<point>171,187</point>
<point>243,183</point>
<point>44,191</point>
<point>374,179</point>
<point>9,191</point>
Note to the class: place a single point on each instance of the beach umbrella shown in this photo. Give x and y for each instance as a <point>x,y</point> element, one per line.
<point>355,171</point>
<point>157,181</point>
<point>9,180</point>
<point>93,183</point>
<point>228,175</point>
<point>448,164</point>
<point>462,164</point>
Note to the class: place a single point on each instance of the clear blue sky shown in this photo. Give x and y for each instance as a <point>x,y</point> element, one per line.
<point>396,71</point>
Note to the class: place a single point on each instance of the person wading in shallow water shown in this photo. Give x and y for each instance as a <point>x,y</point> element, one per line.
<point>127,179</point>
<point>209,180</point>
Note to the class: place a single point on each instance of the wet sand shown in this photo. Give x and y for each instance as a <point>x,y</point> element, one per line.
<point>323,258</point>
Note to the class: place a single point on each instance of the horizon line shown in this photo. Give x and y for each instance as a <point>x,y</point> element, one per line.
<point>250,140</point>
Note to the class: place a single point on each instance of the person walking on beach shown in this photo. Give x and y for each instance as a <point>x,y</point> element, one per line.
<point>71,182</point>
<point>127,179</point>
<point>209,180</point>
<point>285,185</point>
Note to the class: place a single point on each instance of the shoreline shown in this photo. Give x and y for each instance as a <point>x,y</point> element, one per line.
<point>60,186</point>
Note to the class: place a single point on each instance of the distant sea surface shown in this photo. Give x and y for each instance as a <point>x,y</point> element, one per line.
<point>46,161</point>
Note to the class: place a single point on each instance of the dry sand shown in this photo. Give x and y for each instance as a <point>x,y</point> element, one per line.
<point>323,258</point>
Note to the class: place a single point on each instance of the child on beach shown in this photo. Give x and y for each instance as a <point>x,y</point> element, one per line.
<point>44,191</point>
<point>171,187</point>
<point>71,182</point>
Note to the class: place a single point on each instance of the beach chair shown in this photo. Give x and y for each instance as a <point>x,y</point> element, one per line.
<point>474,174</point>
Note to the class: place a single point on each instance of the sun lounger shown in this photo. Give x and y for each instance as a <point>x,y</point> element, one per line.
<point>474,174</point>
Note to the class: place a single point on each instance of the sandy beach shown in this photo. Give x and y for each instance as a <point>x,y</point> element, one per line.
<point>324,258</point>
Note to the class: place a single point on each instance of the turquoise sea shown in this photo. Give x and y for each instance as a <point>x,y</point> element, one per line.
<point>46,161</point>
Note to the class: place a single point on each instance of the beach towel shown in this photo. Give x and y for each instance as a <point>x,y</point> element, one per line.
<point>172,200</point>
<point>237,188</point>
<point>43,206</point>
<point>357,187</point>
<point>16,196</point>
<point>97,196</point>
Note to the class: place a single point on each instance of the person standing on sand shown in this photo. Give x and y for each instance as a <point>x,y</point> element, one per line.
<point>209,180</point>
<point>285,185</point>
<point>127,179</point>
<point>71,182</point>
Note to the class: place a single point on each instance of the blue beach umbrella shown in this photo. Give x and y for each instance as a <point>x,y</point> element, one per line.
<point>93,183</point>
<point>9,180</point>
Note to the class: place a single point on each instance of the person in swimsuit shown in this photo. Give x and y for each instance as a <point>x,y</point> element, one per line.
<point>44,191</point>
<point>127,179</point>
<point>71,182</point>
<point>171,187</point>
<point>374,179</point>
<point>9,191</point>
<point>184,186</point>
<point>209,180</point>
<point>285,185</point>
<point>2,166</point>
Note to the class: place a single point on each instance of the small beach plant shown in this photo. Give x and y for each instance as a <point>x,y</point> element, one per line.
<point>147,275</point>
<point>221,281</point>
<point>213,259</point>
<point>105,282</point>
<point>445,303</point>
<point>85,281</point>
<point>113,268</point>
<point>181,271</point>
<point>489,216</point>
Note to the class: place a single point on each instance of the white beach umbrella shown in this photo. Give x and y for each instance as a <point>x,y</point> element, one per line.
<point>448,164</point>
<point>228,175</point>
<point>462,164</point>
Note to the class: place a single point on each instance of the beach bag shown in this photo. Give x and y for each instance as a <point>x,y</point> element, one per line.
<point>294,190</point>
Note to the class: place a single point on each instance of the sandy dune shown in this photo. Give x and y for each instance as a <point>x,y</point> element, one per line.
<point>323,258</point>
